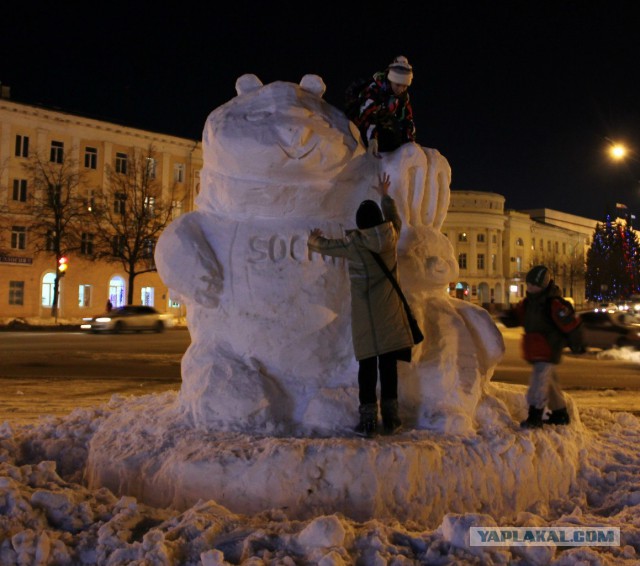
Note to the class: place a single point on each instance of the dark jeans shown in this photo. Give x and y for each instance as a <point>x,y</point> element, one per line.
<point>368,378</point>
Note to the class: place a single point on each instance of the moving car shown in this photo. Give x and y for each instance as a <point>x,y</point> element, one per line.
<point>129,318</point>
<point>608,330</point>
<point>606,307</point>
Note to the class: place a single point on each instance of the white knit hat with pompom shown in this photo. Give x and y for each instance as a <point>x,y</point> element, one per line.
<point>400,71</point>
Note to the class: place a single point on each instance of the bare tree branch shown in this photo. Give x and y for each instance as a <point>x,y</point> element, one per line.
<point>131,213</point>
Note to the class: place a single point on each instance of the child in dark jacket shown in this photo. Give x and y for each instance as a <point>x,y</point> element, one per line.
<point>549,322</point>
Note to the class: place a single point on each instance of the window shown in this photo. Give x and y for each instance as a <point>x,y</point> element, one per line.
<point>48,283</point>
<point>480,261</point>
<point>18,238</point>
<point>119,201</point>
<point>147,296</point>
<point>90,157</point>
<point>54,195</point>
<point>480,238</point>
<point>57,152</point>
<point>149,205</point>
<point>121,163</point>
<point>148,248</point>
<point>557,247</point>
<point>118,244</point>
<point>494,264</point>
<point>16,292</point>
<point>494,239</point>
<point>564,248</point>
<point>20,190</point>
<point>519,242</point>
<point>548,245</point>
<point>533,244</point>
<point>86,244</point>
<point>178,173</point>
<point>22,146</point>
<point>518,263</point>
<point>84,296</point>
<point>176,209</point>
<point>151,167</point>
<point>90,200</point>
<point>48,244</point>
<point>462,261</point>
<point>462,237</point>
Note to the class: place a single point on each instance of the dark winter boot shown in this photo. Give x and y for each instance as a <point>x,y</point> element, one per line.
<point>558,417</point>
<point>391,422</point>
<point>368,425</point>
<point>534,420</point>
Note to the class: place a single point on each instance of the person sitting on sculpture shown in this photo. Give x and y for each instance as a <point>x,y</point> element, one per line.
<point>379,325</point>
<point>385,116</point>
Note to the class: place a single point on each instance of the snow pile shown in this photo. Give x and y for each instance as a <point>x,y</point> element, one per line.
<point>49,517</point>
<point>149,452</point>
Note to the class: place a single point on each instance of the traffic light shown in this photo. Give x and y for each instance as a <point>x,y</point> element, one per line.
<point>63,263</point>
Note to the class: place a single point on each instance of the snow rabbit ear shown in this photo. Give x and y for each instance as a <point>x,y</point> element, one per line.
<point>313,84</point>
<point>247,83</point>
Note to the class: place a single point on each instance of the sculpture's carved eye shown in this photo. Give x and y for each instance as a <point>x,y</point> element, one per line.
<point>258,115</point>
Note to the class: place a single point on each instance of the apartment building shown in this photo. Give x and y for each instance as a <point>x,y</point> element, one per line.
<point>27,278</point>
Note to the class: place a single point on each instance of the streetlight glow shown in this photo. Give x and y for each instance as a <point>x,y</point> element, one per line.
<point>618,151</point>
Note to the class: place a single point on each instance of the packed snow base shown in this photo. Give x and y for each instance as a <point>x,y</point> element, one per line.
<point>156,457</point>
<point>49,516</point>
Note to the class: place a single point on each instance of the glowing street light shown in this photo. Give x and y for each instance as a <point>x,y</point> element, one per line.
<point>618,151</point>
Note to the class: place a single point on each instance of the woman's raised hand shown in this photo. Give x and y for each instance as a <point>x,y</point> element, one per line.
<point>384,183</point>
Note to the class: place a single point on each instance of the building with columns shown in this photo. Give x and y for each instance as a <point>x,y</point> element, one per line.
<point>496,247</point>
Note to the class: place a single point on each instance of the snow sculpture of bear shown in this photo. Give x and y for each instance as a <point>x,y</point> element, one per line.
<point>270,323</point>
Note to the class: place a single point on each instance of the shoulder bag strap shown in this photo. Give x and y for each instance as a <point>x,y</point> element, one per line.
<point>388,273</point>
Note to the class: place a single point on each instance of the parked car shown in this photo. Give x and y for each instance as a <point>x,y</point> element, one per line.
<point>608,330</point>
<point>129,318</point>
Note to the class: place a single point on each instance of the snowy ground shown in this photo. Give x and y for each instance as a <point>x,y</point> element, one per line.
<point>49,516</point>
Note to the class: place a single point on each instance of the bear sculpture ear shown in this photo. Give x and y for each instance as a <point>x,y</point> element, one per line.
<point>313,84</point>
<point>247,83</point>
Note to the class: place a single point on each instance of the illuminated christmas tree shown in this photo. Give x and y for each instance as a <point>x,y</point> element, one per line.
<point>612,262</point>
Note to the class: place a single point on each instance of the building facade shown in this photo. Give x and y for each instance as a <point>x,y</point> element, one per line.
<point>496,247</point>
<point>27,277</point>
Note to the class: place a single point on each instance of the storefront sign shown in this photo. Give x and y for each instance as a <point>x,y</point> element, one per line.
<point>16,260</point>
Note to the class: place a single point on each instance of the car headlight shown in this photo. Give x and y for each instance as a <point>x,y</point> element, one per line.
<point>103,319</point>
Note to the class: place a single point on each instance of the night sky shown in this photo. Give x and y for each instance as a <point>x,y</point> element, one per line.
<point>520,97</point>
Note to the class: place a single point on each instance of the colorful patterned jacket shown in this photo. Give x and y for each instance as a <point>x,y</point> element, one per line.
<point>384,116</point>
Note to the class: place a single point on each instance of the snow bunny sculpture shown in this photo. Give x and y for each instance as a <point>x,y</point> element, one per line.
<point>453,366</point>
<point>270,323</point>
